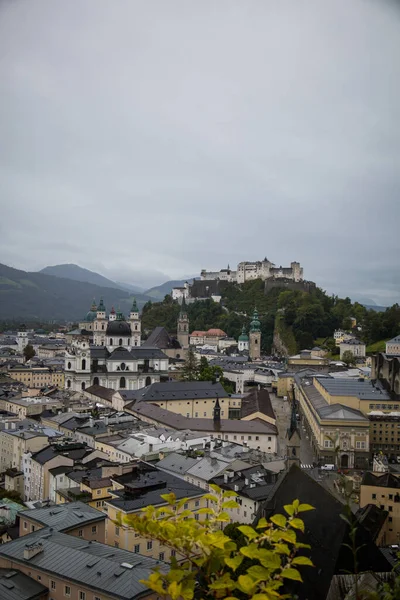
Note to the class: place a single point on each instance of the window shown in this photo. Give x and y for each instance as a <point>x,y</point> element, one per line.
<point>39,578</point>
<point>197,503</point>
<point>149,545</point>
<point>67,591</point>
<point>82,595</point>
<point>136,548</point>
<point>196,516</point>
<point>80,533</point>
<point>390,508</point>
<point>69,365</point>
<point>122,382</point>
<point>94,528</point>
<point>196,414</point>
<point>98,503</point>
<point>249,437</point>
<point>205,414</point>
<point>269,438</point>
<point>83,385</point>
<point>25,525</point>
<point>390,496</point>
<point>173,552</point>
<point>257,437</point>
<point>186,506</point>
<point>161,556</point>
<point>116,544</point>
<point>83,364</point>
<point>117,531</point>
<point>373,496</point>
<point>390,519</point>
<point>111,341</point>
<point>52,584</point>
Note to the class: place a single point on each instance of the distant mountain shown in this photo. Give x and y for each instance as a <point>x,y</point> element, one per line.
<point>77,273</point>
<point>136,289</point>
<point>46,297</point>
<point>158,292</point>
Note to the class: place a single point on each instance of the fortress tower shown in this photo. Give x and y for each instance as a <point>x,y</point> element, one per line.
<point>255,337</point>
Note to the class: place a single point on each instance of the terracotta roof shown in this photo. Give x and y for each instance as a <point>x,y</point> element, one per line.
<point>198,333</point>
<point>257,401</point>
<point>216,332</point>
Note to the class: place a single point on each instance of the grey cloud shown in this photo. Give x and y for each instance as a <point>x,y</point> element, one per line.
<point>150,140</point>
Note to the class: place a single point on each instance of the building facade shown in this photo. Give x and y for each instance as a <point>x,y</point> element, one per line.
<point>393,346</point>
<point>247,271</point>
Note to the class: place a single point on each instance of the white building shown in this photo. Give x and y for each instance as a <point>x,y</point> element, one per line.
<point>117,359</point>
<point>181,292</point>
<point>263,269</point>
<point>393,346</point>
<point>356,347</point>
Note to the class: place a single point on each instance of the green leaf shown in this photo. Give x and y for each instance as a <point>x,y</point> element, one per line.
<point>304,507</point>
<point>215,488</point>
<point>229,494</point>
<point>174,590</point>
<point>262,523</point>
<point>289,509</point>
<point>246,584</point>
<point>248,531</point>
<point>281,549</point>
<point>291,574</point>
<point>230,504</point>
<point>302,560</point>
<point>206,511</point>
<point>223,517</point>
<point>222,583</point>
<point>288,536</point>
<point>169,498</point>
<point>259,573</point>
<point>251,551</point>
<point>279,520</point>
<point>210,497</point>
<point>269,559</point>
<point>296,504</point>
<point>297,524</point>
<point>234,562</point>
<point>176,575</point>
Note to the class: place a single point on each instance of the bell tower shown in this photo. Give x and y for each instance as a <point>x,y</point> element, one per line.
<point>183,326</point>
<point>100,325</point>
<point>255,337</point>
<point>136,326</point>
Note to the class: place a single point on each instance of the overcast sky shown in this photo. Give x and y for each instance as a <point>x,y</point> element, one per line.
<point>149,139</point>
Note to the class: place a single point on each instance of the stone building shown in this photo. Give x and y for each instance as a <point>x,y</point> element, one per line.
<point>243,341</point>
<point>356,347</point>
<point>264,269</point>
<point>183,326</point>
<point>393,346</point>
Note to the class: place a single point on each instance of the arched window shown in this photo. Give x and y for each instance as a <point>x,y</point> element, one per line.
<point>69,365</point>
<point>128,343</point>
<point>122,382</point>
<point>102,325</point>
<point>111,341</point>
<point>96,381</point>
<point>83,385</point>
<point>256,341</point>
<point>83,364</point>
<point>148,381</point>
<point>120,342</point>
<point>135,327</point>
<point>68,383</point>
<point>123,365</point>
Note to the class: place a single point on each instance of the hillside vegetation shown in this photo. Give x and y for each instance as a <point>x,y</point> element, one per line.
<point>36,296</point>
<point>302,317</point>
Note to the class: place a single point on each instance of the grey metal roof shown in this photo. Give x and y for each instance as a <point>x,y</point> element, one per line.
<point>395,340</point>
<point>65,516</point>
<point>94,565</point>
<point>177,463</point>
<point>15,585</point>
<point>207,468</point>
<point>364,390</point>
<point>181,390</point>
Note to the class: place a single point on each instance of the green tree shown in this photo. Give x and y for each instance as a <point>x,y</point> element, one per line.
<point>348,358</point>
<point>190,369</point>
<point>211,557</point>
<point>29,352</point>
<point>11,495</point>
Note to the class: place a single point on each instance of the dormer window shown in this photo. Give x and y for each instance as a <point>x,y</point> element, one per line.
<point>123,366</point>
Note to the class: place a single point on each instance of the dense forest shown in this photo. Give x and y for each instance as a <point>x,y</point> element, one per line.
<point>308,316</point>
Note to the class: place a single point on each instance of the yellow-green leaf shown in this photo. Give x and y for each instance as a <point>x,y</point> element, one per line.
<point>174,590</point>
<point>229,494</point>
<point>296,504</point>
<point>248,531</point>
<point>289,509</point>
<point>246,584</point>
<point>262,523</point>
<point>230,504</point>
<point>302,560</point>
<point>169,498</point>
<point>304,507</point>
<point>234,562</point>
<point>288,536</point>
<point>282,549</point>
<point>279,520</point>
<point>297,524</point>
<point>291,574</point>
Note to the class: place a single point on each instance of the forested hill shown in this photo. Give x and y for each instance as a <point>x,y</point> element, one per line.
<point>308,316</point>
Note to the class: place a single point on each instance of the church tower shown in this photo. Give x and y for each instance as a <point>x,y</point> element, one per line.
<point>136,326</point>
<point>100,325</point>
<point>255,337</point>
<point>183,326</point>
<point>293,440</point>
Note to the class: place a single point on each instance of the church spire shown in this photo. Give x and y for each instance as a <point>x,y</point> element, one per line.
<point>134,308</point>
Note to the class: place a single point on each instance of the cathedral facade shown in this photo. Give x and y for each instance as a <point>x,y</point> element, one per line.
<point>116,359</point>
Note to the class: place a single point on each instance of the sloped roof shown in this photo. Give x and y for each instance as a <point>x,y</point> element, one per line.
<point>15,585</point>
<point>63,517</point>
<point>181,390</point>
<point>100,391</point>
<point>257,400</point>
<point>177,463</point>
<point>386,480</point>
<point>160,338</point>
<point>395,340</point>
<point>94,565</point>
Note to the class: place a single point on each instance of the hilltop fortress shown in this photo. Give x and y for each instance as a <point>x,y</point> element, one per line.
<point>260,269</point>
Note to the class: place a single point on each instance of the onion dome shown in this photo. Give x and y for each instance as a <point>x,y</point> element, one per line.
<point>92,314</point>
<point>119,328</point>
<point>255,323</point>
<point>243,337</point>
<point>101,307</point>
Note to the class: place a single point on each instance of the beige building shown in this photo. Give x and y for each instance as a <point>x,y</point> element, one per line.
<point>306,358</point>
<point>15,443</point>
<point>14,481</point>
<point>37,377</point>
<point>339,432</point>
<point>29,406</point>
<point>383,490</point>
<point>152,483</point>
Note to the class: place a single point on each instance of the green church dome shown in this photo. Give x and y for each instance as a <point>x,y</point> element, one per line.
<point>92,314</point>
<point>243,337</point>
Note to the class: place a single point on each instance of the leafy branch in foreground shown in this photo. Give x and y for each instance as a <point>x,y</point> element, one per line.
<point>210,558</point>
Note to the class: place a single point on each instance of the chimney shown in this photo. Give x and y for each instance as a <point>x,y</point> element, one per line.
<point>246,481</point>
<point>32,550</point>
<point>226,477</point>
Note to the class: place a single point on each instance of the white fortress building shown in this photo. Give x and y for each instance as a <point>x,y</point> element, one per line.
<point>260,269</point>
